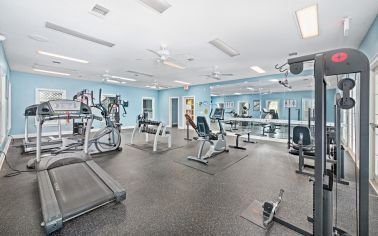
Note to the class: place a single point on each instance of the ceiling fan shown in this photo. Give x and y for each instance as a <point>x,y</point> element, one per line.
<point>216,74</point>
<point>157,85</point>
<point>285,83</point>
<point>164,57</point>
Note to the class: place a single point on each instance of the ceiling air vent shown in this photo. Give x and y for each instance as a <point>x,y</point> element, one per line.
<point>100,11</point>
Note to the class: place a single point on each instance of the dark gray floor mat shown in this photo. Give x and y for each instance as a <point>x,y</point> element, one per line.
<point>216,164</point>
<point>148,147</point>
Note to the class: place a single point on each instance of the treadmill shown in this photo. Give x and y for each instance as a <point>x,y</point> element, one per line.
<point>46,144</point>
<point>70,184</point>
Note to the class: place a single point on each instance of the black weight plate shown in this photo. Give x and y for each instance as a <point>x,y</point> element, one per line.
<point>348,82</point>
<point>346,103</point>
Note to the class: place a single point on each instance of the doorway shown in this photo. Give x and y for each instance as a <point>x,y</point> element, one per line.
<point>188,107</point>
<point>173,111</point>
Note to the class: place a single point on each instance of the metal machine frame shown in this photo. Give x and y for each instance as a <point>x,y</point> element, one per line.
<point>70,184</point>
<point>49,144</point>
<point>333,62</point>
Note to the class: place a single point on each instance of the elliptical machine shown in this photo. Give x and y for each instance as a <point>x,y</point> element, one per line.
<point>217,140</point>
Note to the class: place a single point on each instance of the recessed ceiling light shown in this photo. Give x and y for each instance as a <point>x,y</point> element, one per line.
<point>113,81</point>
<point>62,57</point>
<point>181,82</point>
<point>274,80</point>
<point>308,21</point>
<point>258,69</point>
<point>237,93</point>
<point>224,47</point>
<point>51,72</point>
<point>38,38</point>
<point>158,5</point>
<point>122,78</point>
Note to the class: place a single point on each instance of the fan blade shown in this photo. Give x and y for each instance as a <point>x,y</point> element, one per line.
<point>172,64</point>
<point>216,78</point>
<point>227,74</point>
<point>154,52</point>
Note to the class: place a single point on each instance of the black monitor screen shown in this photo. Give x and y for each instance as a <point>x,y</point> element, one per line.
<point>218,114</point>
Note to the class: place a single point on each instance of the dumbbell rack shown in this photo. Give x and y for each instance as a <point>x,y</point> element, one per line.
<point>161,131</point>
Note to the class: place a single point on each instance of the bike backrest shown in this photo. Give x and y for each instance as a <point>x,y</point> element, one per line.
<point>202,126</point>
<point>303,131</point>
<point>191,122</point>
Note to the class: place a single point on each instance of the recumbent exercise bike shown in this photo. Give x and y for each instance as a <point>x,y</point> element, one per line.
<point>217,141</point>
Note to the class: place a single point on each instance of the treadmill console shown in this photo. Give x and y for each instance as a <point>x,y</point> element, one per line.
<point>218,114</point>
<point>60,107</point>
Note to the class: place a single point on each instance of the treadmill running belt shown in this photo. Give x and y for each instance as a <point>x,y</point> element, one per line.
<point>78,189</point>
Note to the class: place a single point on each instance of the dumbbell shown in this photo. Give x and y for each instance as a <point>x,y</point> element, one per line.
<point>346,85</point>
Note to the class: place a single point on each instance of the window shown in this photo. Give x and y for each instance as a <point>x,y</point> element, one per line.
<point>307,103</point>
<point>44,95</point>
<point>272,105</point>
<point>148,106</point>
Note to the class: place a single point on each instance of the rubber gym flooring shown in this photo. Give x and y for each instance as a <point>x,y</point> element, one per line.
<point>168,198</point>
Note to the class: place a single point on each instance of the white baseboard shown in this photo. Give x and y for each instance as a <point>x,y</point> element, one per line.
<point>5,150</point>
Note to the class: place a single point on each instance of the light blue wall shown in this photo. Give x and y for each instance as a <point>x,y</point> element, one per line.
<point>370,43</point>
<point>5,68</point>
<point>24,86</point>
<point>200,92</point>
<point>283,112</point>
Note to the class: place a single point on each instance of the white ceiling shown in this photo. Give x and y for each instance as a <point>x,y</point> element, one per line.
<point>305,83</point>
<point>264,32</point>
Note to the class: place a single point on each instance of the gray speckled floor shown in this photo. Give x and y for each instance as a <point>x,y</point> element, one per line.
<point>167,198</point>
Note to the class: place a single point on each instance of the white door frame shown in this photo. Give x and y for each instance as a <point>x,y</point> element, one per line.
<point>239,106</point>
<point>170,110</point>
<point>183,111</point>
<point>153,106</point>
<point>372,119</point>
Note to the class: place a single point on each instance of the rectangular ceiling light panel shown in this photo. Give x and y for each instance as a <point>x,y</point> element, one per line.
<point>181,82</point>
<point>224,47</point>
<point>77,34</point>
<point>62,57</point>
<point>122,78</point>
<point>258,69</point>
<point>158,5</point>
<point>174,65</point>
<point>308,21</point>
<point>51,72</point>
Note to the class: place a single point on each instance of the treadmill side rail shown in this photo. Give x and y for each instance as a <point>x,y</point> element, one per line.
<point>52,217</point>
<point>119,192</point>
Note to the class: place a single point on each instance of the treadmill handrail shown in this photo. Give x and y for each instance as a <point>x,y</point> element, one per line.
<point>70,116</point>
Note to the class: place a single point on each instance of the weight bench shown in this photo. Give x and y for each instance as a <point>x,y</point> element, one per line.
<point>248,139</point>
<point>237,143</point>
